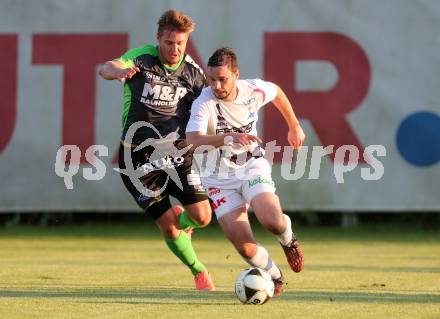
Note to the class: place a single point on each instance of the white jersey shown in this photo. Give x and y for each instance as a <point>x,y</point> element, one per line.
<point>213,116</point>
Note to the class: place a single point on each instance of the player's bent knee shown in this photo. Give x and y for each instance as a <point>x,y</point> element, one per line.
<point>201,213</point>
<point>203,219</point>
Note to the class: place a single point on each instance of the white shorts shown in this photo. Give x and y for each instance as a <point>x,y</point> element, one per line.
<point>226,200</point>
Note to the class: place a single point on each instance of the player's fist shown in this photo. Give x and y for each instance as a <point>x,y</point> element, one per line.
<point>296,137</point>
<point>244,139</point>
<point>127,73</point>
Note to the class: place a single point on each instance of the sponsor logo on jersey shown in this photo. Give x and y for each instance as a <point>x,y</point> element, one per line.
<point>249,101</point>
<point>224,127</point>
<point>213,190</point>
<point>217,203</point>
<point>162,95</point>
<point>161,163</point>
<point>155,77</point>
<point>166,156</point>
<point>260,180</point>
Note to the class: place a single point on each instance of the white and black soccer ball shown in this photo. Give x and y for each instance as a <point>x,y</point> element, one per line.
<point>254,286</point>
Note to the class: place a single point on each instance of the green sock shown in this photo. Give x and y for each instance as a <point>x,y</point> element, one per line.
<point>183,249</point>
<point>185,221</point>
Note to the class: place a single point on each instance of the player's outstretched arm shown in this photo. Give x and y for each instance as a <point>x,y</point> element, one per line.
<point>296,135</point>
<point>115,70</point>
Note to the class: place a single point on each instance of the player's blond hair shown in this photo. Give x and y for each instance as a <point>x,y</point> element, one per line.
<point>174,20</point>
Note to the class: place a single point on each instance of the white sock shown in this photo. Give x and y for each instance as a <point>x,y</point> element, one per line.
<point>262,260</point>
<point>286,237</point>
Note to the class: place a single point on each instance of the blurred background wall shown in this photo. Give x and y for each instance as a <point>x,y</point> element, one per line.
<point>360,73</point>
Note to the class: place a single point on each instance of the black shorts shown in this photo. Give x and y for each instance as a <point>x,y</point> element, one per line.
<point>160,182</point>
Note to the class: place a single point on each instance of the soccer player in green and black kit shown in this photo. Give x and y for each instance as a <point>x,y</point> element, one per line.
<point>161,83</point>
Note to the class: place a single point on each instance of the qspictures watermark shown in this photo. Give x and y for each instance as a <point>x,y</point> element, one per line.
<point>220,161</point>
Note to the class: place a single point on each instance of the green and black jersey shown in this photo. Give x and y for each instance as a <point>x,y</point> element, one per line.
<point>159,95</point>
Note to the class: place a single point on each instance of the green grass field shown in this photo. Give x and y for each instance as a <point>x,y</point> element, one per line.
<point>110,271</point>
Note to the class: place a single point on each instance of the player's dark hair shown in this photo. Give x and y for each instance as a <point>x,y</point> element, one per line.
<point>222,57</point>
<point>175,21</point>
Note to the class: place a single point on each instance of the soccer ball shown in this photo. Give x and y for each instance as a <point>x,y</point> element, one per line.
<point>254,286</point>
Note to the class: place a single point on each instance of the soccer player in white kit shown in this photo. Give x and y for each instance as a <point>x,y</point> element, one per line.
<point>223,123</point>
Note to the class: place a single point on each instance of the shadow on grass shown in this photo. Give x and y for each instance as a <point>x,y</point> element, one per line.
<point>153,296</point>
<point>186,296</point>
<point>372,268</point>
<point>356,296</point>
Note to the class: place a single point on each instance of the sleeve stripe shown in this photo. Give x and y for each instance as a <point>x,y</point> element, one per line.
<point>262,92</point>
